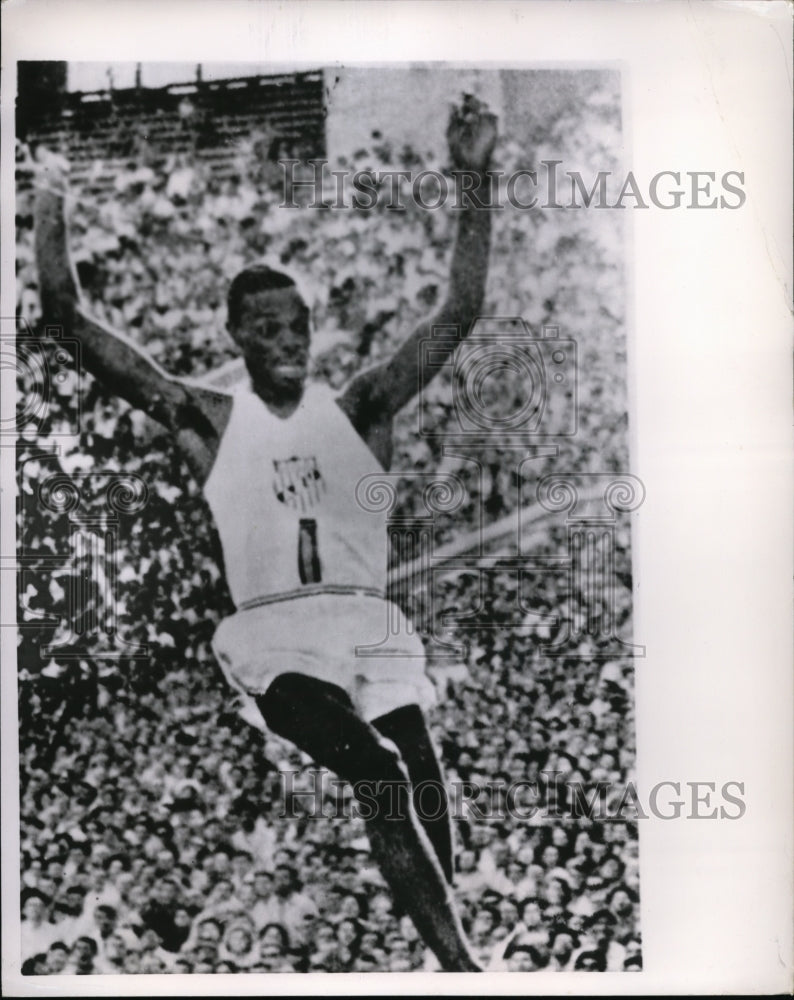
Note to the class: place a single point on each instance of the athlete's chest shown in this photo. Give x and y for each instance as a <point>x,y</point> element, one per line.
<point>311,459</point>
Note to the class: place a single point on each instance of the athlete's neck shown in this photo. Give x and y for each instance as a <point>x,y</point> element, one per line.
<point>281,404</point>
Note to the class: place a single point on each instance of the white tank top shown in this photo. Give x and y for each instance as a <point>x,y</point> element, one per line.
<point>282,493</point>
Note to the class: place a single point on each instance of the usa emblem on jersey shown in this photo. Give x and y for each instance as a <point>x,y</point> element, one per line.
<point>298,482</point>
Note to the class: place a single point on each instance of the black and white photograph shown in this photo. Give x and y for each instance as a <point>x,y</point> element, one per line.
<point>328,451</point>
<point>219,737</point>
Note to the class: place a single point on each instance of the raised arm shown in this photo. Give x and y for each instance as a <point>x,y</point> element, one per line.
<point>111,357</point>
<point>378,393</point>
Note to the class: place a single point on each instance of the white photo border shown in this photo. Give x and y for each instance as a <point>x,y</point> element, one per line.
<point>710,352</point>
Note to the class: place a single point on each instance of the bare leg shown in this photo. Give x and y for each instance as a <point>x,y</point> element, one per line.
<point>321,720</point>
<point>406,728</point>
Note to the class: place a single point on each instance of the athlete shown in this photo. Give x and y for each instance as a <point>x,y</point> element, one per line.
<point>305,565</point>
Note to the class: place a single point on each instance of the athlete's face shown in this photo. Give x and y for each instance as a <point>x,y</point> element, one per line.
<point>273,333</point>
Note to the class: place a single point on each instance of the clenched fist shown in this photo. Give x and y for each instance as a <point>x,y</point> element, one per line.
<point>471,134</point>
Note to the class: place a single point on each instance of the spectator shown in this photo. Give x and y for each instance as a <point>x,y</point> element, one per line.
<point>621,902</point>
<point>36,965</point>
<point>239,945</point>
<point>600,936</point>
<point>562,945</point>
<point>291,905</point>
<point>37,931</point>
<point>265,907</point>
<point>105,922</point>
<point>160,914</point>
<point>273,950</point>
<point>524,958</point>
<point>469,878</point>
<point>83,957</point>
<point>590,961</point>
<point>115,955</point>
<point>57,958</point>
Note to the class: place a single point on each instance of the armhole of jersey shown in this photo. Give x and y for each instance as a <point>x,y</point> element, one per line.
<point>210,414</point>
<point>348,418</point>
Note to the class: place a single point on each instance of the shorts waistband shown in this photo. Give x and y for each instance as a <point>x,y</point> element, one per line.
<point>311,591</point>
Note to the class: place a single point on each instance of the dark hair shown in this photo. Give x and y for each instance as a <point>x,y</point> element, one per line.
<point>379,940</point>
<point>211,920</point>
<point>622,888</point>
<point>287,866</point>
<point>123,858</point>
<point>357,928</point>
<point>232,966</point>
<point>27,894</point>
<point>494,913</point>
<point>93,946</point>
<point>561,929</point>
<point>565,887</point>
<point>537,957</point>
<point>253,279</point>
<point>601,916</point>
<point>29,965</point>
<point>285,942</point>
<point>621,865</point>
<point>595,960</point>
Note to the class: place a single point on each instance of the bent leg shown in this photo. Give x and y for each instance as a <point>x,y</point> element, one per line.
<point>406,728</point>
<point>320,719</point>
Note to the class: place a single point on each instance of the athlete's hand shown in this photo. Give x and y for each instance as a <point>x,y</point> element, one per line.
<point>471,134</point>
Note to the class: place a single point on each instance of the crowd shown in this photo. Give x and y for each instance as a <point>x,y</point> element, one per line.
<point>159,831</point>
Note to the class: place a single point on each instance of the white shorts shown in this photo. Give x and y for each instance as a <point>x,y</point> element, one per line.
<point>322,636</point>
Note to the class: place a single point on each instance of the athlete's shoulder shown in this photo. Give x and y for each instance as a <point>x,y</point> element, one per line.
<point>370,423</point>
<point>213,404</point>
<point>199,421</point>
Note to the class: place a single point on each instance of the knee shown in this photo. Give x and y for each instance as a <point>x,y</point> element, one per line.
<point>285,688</point>
<point>296,701</point>
<point>278,703</point>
